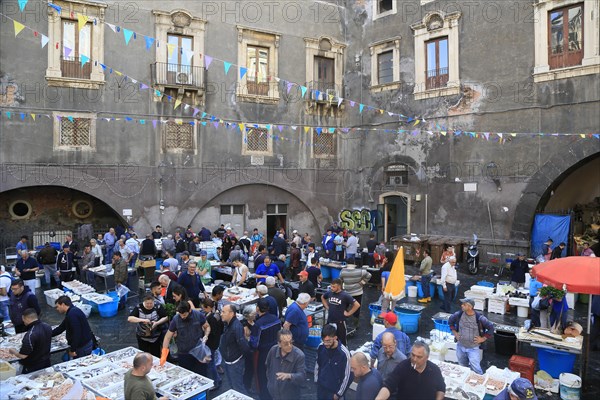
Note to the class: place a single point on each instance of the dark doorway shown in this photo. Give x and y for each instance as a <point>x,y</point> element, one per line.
<point>274,222</point>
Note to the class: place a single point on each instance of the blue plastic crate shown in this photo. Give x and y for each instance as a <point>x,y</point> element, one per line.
<point>485,283</point>
<point>442,325</point>
<point>555,362</point>
<point>109,310</point>
<point>375,310</point>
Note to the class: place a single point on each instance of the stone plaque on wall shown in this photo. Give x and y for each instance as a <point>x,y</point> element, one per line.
<point>257,160</point>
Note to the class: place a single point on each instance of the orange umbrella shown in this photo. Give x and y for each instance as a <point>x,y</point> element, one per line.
<point>396,283</point>
<point>578,274</point>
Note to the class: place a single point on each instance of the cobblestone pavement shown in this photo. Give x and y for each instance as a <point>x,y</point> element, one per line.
<point>116,333</point>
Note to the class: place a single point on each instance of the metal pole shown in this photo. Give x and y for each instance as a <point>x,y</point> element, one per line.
<point>492,227</point>
<point>426,210</point>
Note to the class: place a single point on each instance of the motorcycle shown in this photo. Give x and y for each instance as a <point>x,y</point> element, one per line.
<point>473,256</point>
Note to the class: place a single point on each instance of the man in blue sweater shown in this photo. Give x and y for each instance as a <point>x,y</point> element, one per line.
<point>233,347</point>
<point>332,369</point>
<point>79,334</point>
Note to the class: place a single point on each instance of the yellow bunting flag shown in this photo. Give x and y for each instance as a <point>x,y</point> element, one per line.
<point>306,128</point>
<point>18,27</point>
<point>170,49</point>
<point>242,127</point>
<point>177,104</point>
<point>179,121</point>
<point>33,116</point>
<point>82,20</point>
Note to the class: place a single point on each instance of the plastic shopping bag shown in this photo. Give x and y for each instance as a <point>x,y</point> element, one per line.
<point>201,352</point>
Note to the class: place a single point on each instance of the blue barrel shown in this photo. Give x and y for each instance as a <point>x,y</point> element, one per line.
<point>409,320</point>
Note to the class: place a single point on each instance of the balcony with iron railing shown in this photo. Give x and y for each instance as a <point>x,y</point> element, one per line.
<point>71,67</point>
<point>561,56</point>
<point>178,75</point>
<point>328,92</point>
<point>436,78</point>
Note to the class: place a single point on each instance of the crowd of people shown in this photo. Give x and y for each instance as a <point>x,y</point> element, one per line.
<point>261,354</point>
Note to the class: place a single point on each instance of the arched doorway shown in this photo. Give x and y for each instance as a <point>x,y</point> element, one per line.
<point>393,216</point>
<point>37,210</point>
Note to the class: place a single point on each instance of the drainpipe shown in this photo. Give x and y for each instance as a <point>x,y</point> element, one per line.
<point>492,227</point>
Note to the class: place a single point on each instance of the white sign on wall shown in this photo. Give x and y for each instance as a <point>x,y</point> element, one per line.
<point>127,212</point>
<point>471,187</point>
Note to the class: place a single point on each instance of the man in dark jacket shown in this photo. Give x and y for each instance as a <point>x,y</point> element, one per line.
<point>557,252</point>
<point>263,336</point>
<point>148,248</point>
<point>65,264</point>
<point>35,348</point>
<point>332,369</point>
<point>27,266</point>
<point>79,334</point>
<point>47,258</point>
<point>279,245</point>
<point>518,268</point>
<point>205,234</point>
<point>21,299</point>
<point>233,347</point>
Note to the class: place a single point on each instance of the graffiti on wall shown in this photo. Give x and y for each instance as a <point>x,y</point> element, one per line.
<point>358,220</point>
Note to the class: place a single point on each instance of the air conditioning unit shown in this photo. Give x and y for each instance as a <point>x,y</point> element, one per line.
<point>316,96</point>
<point>397,180</point>
<point>182,78</point>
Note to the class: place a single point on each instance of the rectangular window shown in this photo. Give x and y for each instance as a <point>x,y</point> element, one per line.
<point>178,136</point>
<point>324,144</point>
<point>237,209</point>
<point>179,63</point>
<point>74,45</point>
<point>276,209</point>
<point>257,60</point>
<point>384,5</point>
<point>75,132</point>
<point>385,67</point>
<point>565,30</point>
<point>324,74</point>
<point>437,63</point>
<point>226,210</point>
<point>257,140</point>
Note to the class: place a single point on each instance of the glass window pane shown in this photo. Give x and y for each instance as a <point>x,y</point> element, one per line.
<point>238,209</point>
<point>556,31</point>
<point>263,70</point>
<point>251,63</point>
<point>271,208</point>
<point>69,36</point>
<point>443,54</point>
<point>575,31</point>
<point>431,63</point>
<point>225,210</point>
<point>85,40</point>
<point>282,208</point>
<point>385,63</point>
<point>174,58</point>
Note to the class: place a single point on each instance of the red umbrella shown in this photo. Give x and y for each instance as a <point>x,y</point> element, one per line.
<point>579,274</point>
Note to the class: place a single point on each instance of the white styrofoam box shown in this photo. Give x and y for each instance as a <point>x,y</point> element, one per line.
<point>377,329</point>
<point>485,289</point>
<point>479,304</point>
<point>437,356</point>
<point>469,294</point>
<point>497,306</point>
<point>515,301</point>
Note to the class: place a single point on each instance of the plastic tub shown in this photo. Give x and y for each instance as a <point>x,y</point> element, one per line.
<point>313,341</point>
<point>375,310</point>
<point>409,320</point>
<point>485,283</point>
<point>555,362</point>
<point>442,325</point>
<point>109,310</point>
<point>505,343</point>
<point>326,272</point>
<point>335,273</point>
<point>412,291</point>
<point>570,387</point>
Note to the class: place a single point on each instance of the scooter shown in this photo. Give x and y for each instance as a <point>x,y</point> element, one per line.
<point>473,256</point>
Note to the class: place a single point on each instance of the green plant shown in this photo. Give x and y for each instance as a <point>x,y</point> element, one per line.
<point>170,309</point>
<point>549,291</point>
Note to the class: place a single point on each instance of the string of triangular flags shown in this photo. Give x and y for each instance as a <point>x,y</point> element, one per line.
<point>13,113</point>
<point>206,118</point>
<point>150,41</point>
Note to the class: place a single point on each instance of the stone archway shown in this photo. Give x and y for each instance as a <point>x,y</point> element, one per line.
<point>545,181</point>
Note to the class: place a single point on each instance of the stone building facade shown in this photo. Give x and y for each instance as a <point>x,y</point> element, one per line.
<point>415,93</point>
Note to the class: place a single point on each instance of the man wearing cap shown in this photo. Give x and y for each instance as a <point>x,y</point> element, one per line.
<point>295,320</point>
<point>305,285</point>
<point>205,268</point>
<point>470,330</point>
<point>520,389</point>
<point>172,261</point>
<point>340,306</point>
<point>390,321</point>
<point>165,269</point>
<point>296,238</point>
<point>518,267</point>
